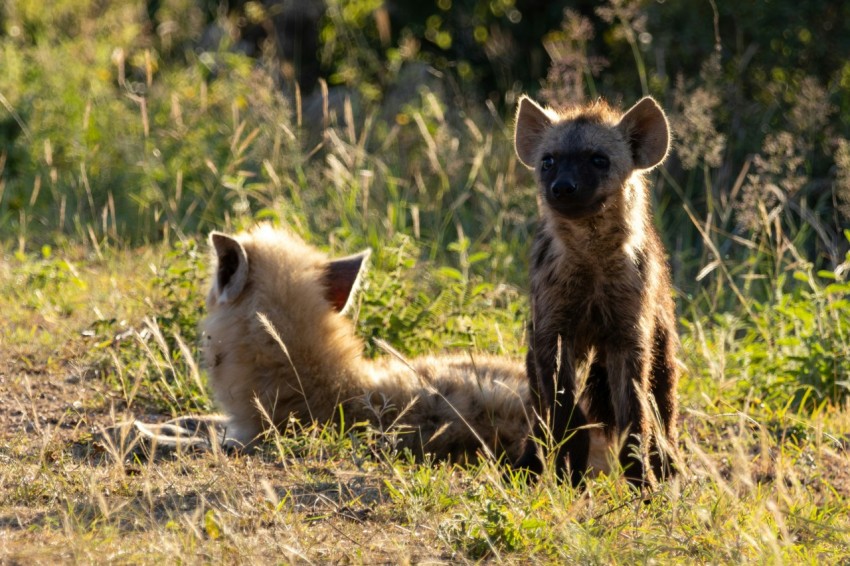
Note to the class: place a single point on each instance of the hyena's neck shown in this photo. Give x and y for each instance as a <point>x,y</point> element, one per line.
<point>619,229</point>
<point>330,356</point>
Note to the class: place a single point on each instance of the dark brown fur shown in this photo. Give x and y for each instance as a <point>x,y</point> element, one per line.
<point>600,287</point>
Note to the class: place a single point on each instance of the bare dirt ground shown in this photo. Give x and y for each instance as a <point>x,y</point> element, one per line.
<point>59,478</point>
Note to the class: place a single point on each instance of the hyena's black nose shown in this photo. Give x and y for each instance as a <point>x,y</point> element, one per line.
<point>562,187</point>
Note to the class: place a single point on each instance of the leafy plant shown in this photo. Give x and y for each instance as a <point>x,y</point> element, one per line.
<point>418,309</point>
<point>158,361</point>
<point>494,525</point>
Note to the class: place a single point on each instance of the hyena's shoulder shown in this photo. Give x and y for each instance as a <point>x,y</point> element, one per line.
<point>556,281</point>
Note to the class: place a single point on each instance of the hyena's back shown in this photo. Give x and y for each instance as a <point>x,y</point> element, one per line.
<point>470,403</point>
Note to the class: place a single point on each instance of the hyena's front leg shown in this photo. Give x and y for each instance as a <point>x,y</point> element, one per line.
<point>628,372</point>
<point>530,460</point>
<point>552,375</point>
<point>664,379</point>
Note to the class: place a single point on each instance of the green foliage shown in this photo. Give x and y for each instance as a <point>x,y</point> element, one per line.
<point>790,353</point>
<point>158,362</point>
<point>121,143</point>
<point>38,282</point>
<point>181,282</point>
<point>427,490</point>
<point>495,526</point>
<point>480,45</point>
<point>417,309</point>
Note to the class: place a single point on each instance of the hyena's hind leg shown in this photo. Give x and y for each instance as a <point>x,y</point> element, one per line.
<point>664,379</point>
<point>198,425</point>
<point>191,432</point>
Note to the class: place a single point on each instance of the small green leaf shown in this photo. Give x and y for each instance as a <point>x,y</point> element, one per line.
<point>481,288</point>
<point>478,256</point>
<point>451,273</point>
<point>837,288</point>
<point>268,214</point>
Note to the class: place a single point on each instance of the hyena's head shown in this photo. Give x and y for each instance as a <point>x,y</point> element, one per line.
<point>269,259</point>
<point>299,289</point>
<point>583,157</point>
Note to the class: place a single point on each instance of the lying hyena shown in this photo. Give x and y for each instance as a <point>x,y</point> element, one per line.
<point>600,288</point>
<point>276,344</point>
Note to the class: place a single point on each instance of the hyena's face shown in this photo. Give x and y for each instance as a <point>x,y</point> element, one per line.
<point>582,160</point>
<point>580,165</point>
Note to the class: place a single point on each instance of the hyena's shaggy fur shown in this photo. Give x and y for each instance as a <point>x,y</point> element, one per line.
<point>452,406</point>
<point>600,287</point>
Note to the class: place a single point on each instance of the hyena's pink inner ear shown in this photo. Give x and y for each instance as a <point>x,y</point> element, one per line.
<point>342,277</point>
<point>231,269</point>
<point>531,123</point>
<point>645,126</point>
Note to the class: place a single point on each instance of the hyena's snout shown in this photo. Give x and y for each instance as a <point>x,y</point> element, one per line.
<point>561,180</point>
<point>571,190</point>
<point>563,187</point>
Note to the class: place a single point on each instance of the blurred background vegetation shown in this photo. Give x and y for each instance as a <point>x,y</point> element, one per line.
<point>389,124</point>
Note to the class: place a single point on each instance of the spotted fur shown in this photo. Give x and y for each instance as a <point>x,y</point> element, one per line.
<point>307,361</point>
<point>600,289</point>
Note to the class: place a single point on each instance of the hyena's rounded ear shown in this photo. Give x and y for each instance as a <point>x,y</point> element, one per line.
<point>645,127</point>
<point>342,278</point>
<point>531,123</point>
<point>231,272</point>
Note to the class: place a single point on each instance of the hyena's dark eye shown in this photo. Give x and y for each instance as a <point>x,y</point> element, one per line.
<point>600,161</point>
<point>547,163</point>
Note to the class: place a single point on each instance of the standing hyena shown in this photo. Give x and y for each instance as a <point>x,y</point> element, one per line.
<point>304,359</point>
<point>600,287</point>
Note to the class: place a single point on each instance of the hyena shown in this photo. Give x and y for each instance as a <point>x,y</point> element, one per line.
<point>277,345</point>
<point>600,289</point>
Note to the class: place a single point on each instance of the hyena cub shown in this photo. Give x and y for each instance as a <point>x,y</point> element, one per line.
<point>302,358</point>
<point>600,288</point>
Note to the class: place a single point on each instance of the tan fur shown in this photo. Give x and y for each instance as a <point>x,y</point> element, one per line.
<point>600,286</point>
<point>449,406</point>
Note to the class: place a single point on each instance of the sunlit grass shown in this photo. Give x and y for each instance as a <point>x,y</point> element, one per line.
<point>761,483</point>
<point>129,160</point>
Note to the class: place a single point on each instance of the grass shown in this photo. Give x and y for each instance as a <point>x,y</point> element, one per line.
<point>762,483</point>
<point>119,161</point>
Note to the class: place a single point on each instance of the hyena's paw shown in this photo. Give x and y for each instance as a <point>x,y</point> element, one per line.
<point>530,461</point>
<point>241,438</point>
